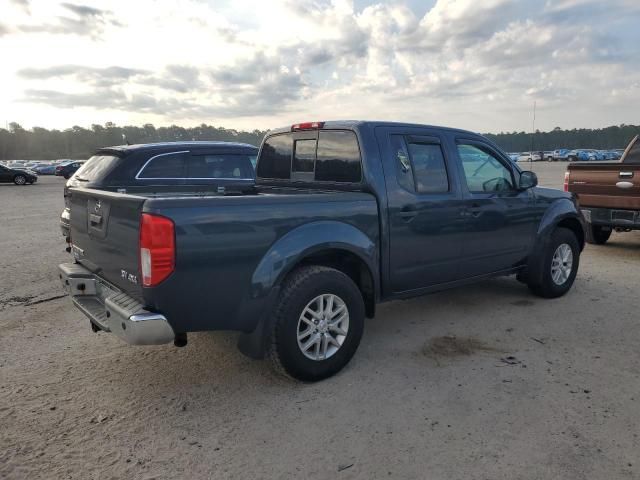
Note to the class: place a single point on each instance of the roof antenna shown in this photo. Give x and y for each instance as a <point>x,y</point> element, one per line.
<point>124,139</point>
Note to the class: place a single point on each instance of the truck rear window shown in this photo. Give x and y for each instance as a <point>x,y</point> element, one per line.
<point>275,157</point>
<point>334,156</point>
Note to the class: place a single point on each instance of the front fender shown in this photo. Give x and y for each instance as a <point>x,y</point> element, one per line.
<point>558,211</point>
<point>306,240</point>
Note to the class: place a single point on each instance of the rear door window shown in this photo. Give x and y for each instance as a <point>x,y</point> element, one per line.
<point>165,165</point>
<point>223,166</point>
<point>429,170</point>
<point>404,169</point>
<point>420,164</point>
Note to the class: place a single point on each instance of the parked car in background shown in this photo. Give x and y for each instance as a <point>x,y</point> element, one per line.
<point>608,193</point>
<point>514,156</point>
<point>17,164</point>
<point>178,166</point>
<point>17,176</point>
<point>595,155</point>
<point>611,155</point>
<point>578,156</point>
<point>548,156</point>
<point>45,169</point>
<point>67,169</point>
<point>343,215</point>
<point>561,154</point>
<point>530,157</point>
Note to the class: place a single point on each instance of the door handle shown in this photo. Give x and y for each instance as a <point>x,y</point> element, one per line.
<point>408,214</point>
<point>474,211</point>
<point>626,174</point>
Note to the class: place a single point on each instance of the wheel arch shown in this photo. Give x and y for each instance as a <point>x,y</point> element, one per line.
<point>561,214</point>
<point>573,224</point>
<point>332,244</point>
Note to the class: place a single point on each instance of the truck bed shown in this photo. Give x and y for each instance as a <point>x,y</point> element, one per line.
<point>220,242</point>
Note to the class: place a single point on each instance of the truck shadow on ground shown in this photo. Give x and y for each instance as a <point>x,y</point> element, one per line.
<point>400,328</point>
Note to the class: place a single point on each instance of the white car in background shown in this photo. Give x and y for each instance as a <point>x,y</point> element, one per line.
<point>530,157</point>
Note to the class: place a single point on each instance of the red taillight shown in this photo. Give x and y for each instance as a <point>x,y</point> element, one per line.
<point>566,181</point>
<point>307,126</point>
<point>157,249</point>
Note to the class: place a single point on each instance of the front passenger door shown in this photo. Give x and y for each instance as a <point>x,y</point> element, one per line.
<point>499,217</point>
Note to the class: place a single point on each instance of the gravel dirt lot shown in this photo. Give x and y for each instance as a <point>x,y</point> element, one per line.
<point>485,382</point>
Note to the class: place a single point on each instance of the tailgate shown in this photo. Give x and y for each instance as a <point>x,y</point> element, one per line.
<point>105,229</point>
<point>606,185</point>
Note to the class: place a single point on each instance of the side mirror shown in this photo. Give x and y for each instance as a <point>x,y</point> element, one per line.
<point>528,180</point>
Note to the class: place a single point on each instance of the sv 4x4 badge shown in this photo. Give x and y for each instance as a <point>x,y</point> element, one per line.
<point>129,277</point>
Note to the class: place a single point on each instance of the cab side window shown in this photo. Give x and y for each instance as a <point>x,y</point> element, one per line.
<point>404,169</point>
<point>483,171</point>
<point>420,164</point>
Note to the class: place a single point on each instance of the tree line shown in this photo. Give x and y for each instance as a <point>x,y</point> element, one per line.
<point>599,139</point>
<point>17,143</point>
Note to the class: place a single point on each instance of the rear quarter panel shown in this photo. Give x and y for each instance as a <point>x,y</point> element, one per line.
<point>230,251</point>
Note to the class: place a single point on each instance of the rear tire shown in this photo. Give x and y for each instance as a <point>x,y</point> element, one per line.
<point>560,264</point>
<point>301,308</point>
<point>597,235</point>
<point>19,179</point>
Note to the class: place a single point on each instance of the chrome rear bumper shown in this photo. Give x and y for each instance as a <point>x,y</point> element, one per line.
<point>113,311</point>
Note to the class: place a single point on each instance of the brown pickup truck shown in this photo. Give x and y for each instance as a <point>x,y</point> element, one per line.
<point>608,193</point>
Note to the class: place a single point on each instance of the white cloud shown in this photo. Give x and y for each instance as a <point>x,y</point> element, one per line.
<point>247,64</point>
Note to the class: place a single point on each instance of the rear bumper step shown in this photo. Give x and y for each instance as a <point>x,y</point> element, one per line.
<point>612,217</point>
<point>113,311</point>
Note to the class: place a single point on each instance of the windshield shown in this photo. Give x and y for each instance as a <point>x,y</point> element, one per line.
<point>96,168</point>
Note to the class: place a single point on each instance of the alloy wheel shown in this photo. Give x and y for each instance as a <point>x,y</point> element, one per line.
<point>323,327</point>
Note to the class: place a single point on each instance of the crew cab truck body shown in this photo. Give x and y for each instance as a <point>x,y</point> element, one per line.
<point>608,193</point>
<point>343,215</point>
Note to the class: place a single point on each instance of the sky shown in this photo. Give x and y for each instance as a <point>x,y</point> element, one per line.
<point>244,64</point>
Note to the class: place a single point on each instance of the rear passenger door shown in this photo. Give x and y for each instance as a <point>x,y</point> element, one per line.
<point>424,208</point>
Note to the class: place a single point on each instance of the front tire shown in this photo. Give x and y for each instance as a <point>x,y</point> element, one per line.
<point>317,325</point>
<point>19,179</point>
<point>597,235</point>
<point>560,263</point>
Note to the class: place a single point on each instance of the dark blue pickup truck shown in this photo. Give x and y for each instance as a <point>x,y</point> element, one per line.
<point>343,215</point>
